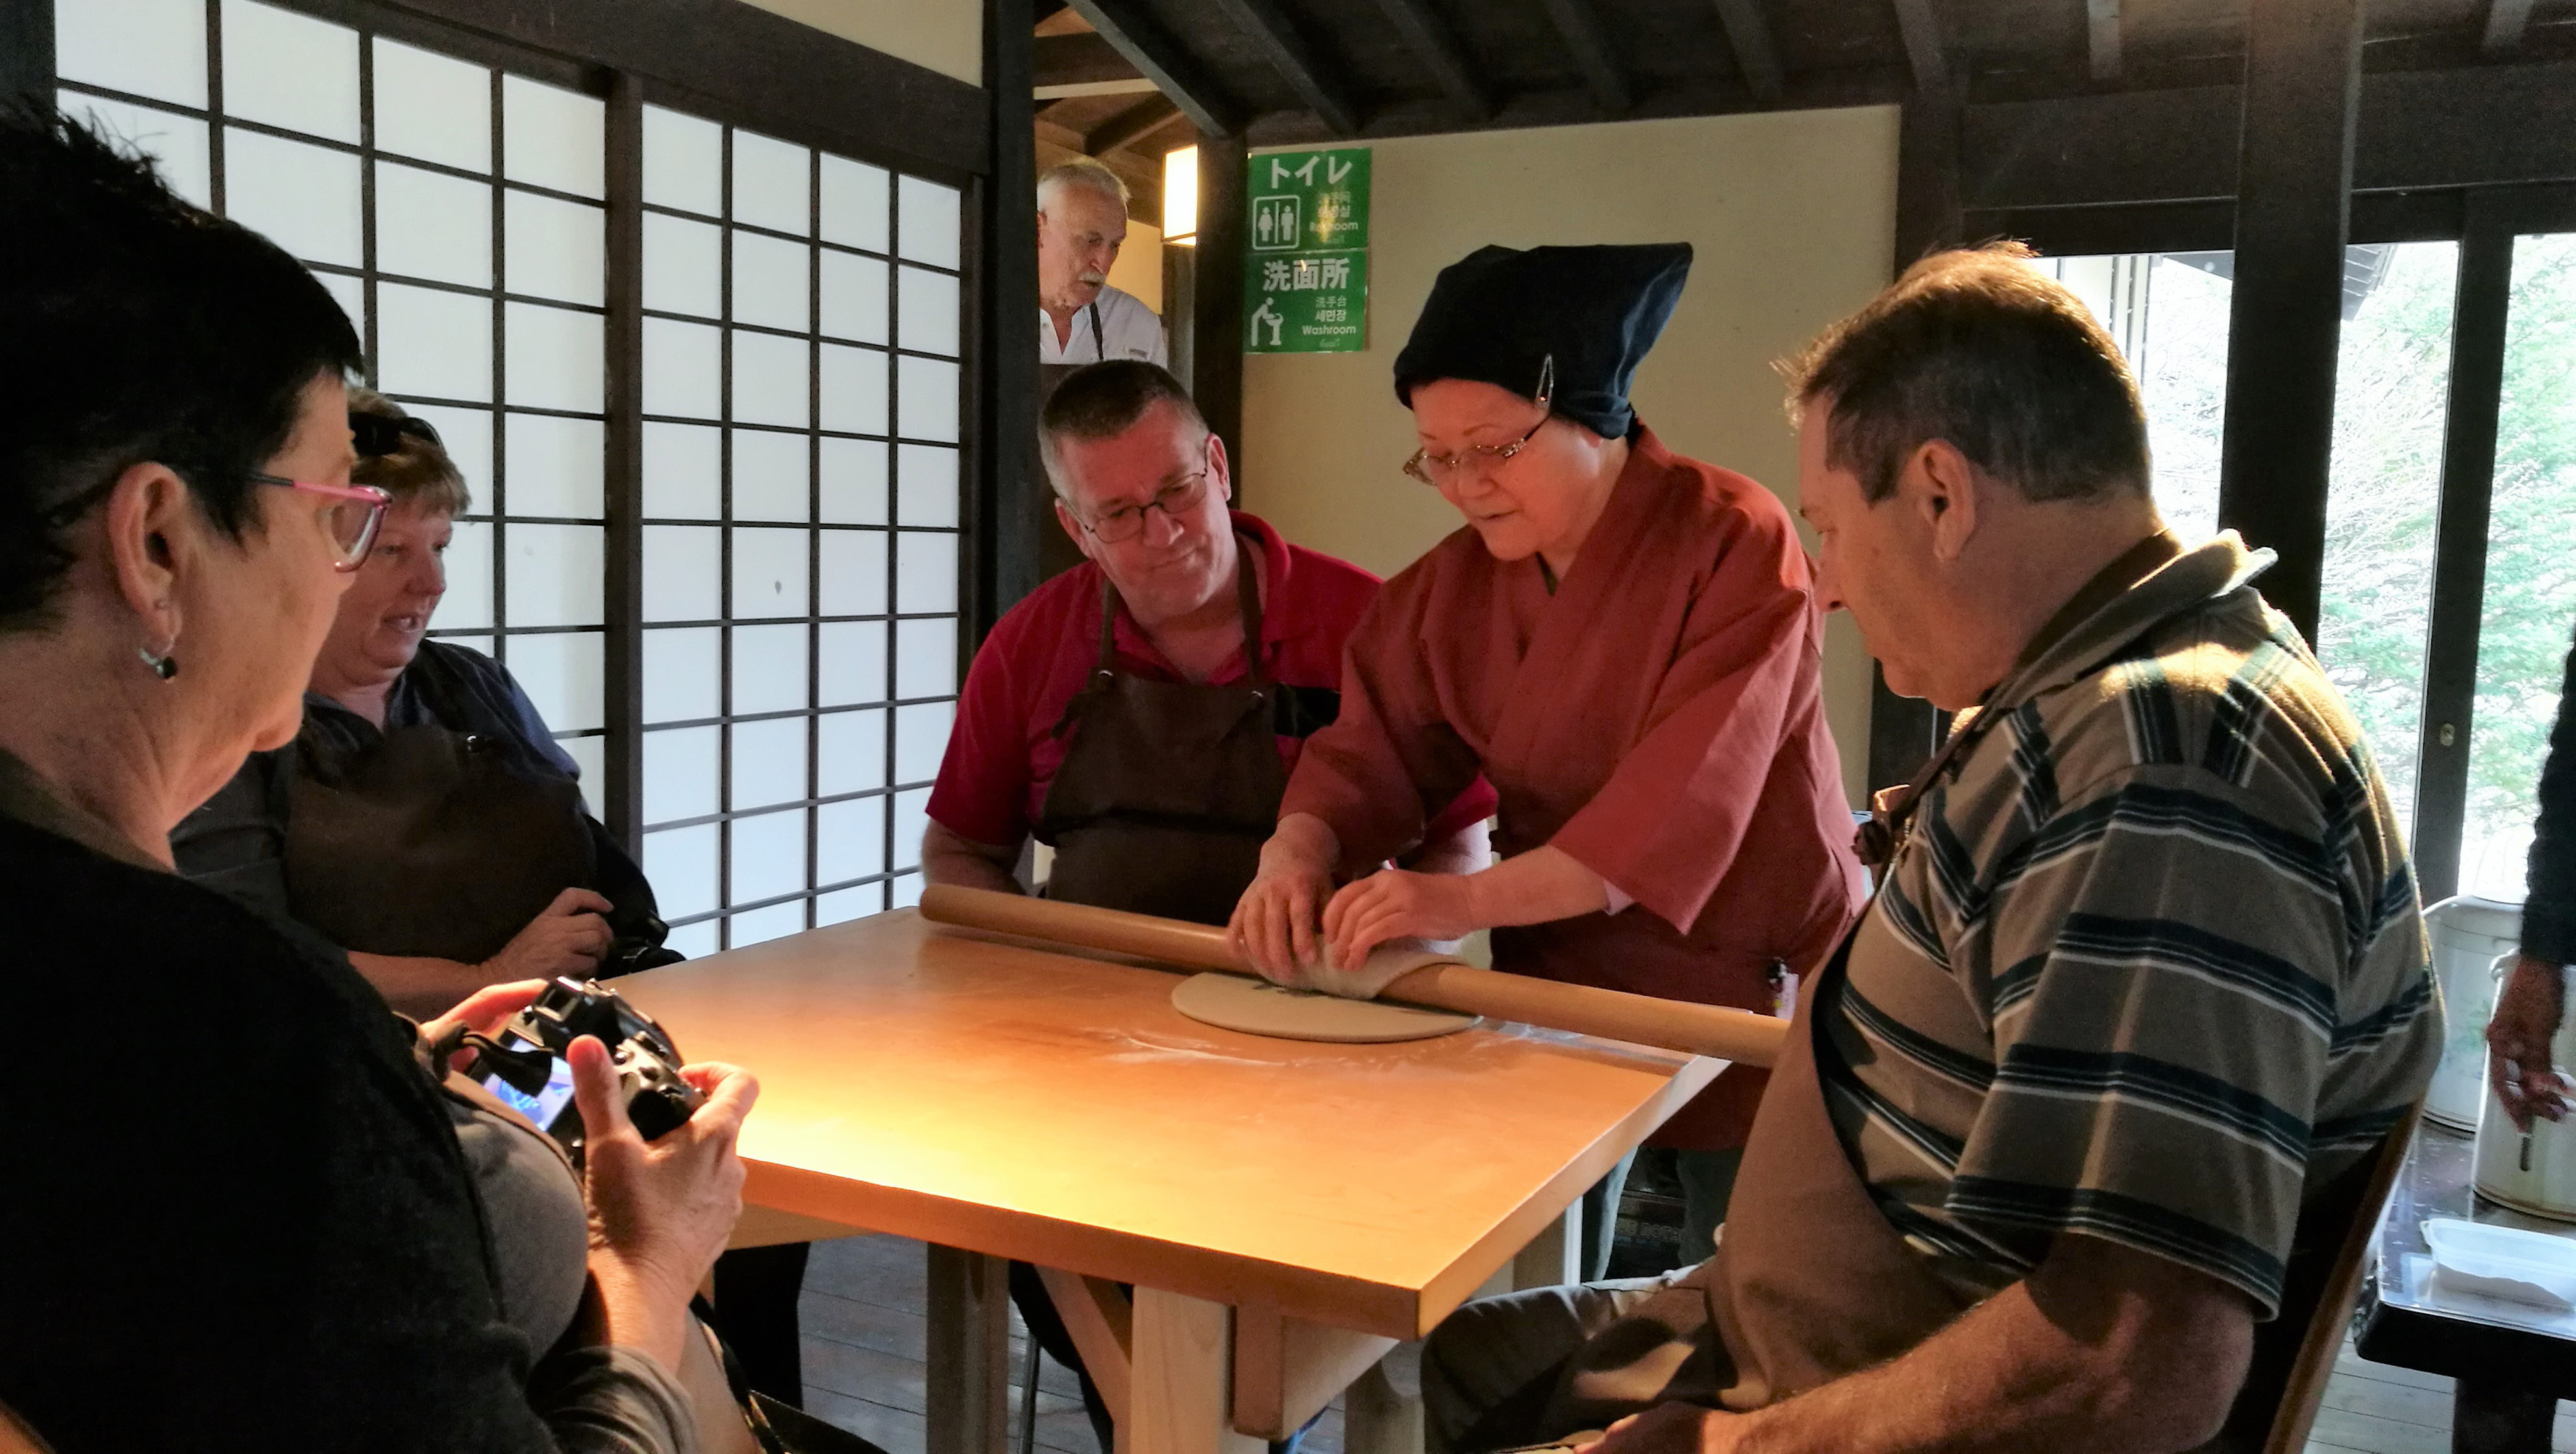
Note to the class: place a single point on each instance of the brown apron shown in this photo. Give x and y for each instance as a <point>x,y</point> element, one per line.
<point>1169,788</point>
<point>1810,1281</point>
<point>429,842</point>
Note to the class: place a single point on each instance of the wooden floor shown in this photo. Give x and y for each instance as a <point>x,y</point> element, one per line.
<point>864,1335</point>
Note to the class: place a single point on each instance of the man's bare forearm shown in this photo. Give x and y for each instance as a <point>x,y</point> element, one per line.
<point>2105,1351</point>
<point>947,858</point>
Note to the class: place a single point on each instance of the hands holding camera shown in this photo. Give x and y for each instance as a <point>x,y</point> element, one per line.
<point>660,1210</point>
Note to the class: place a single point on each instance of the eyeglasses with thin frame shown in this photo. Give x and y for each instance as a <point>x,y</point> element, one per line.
<point>1125,523</point>
<point>353,517</point>
<point>1436,470</point>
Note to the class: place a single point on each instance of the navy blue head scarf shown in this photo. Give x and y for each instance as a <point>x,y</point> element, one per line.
<point>1500,314</point>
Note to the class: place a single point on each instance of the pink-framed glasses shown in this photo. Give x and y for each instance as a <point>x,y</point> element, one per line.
<point>353,516</point>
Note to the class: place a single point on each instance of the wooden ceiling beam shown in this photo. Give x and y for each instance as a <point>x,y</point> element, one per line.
<point>1755,54</point>
<point>1297,62</point>
<point>2102,37</point>
<point>1175,71</point>
<point>1437,47</point>
<point>2506,22</point>
<point>1580,24</point>
<point>1925,51</point>
<point>1135,123</point>
<point>1075,60</point>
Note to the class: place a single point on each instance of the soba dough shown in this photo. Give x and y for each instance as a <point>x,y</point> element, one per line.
<point>1258,1007</point>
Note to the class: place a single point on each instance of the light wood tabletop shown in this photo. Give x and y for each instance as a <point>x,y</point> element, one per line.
<point>1033,1102</point>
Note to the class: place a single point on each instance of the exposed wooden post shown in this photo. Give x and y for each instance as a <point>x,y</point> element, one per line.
<point>621,797</point>
<point>1181,1399</point>
<point>26,49</point>
<point>2294,201</point>
<point>1008,500</point>
<point>1217,339</point>
<point>2460,543</point>
<point>969,1352</point>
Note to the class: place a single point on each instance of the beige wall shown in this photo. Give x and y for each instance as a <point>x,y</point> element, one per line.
<point>1139,269</point>
<point>946,36</point>
<point>1792,216</point>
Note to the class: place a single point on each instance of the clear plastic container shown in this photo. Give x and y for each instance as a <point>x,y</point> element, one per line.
<point>2533,1268</point>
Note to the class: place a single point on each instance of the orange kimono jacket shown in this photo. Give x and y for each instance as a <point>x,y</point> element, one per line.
<point>1660,718</point>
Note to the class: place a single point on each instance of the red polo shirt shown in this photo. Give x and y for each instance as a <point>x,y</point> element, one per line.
<point>1003,753</point>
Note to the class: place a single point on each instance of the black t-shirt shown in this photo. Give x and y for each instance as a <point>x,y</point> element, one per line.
<point>235,1213</point>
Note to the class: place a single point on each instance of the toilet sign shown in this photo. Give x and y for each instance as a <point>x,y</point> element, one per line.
<point>1305,275</point>
<point>1309,201</point>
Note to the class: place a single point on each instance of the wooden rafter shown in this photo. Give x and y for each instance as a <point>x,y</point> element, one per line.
<point>1131,125</point>
<point>1436,46</point>
<point>1926,54</point>
<point>1755,55</point>
<point>1174,70</point>
<point>1580,24</point>
<point>1068,60</point>
<point>2102,37</point>
<point>1296,60</point>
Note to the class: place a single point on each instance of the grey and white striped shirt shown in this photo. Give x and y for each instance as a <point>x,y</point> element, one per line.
<point>2150,966</point>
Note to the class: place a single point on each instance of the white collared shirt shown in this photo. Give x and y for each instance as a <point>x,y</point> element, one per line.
<point>1129,328</point>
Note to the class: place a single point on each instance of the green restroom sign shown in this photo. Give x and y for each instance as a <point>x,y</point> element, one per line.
<point>1305,273</point>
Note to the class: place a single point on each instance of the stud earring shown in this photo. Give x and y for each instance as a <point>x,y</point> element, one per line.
<point>164,665</point>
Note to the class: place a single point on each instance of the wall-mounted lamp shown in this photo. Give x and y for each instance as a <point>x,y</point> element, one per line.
<point>1181,195</point>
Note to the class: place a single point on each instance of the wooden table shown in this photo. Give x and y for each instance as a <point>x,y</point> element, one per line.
<point>2508,1370</point>
<point>1287,1211</point>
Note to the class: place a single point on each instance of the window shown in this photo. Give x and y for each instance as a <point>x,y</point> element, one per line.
<point>2169,312</point>
<point>2530,595</point>
<point>801,549</point>
<point>801,479</point>
<point>455,211</point>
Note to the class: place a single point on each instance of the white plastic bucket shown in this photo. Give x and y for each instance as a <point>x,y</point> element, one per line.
<point>2468,933</point>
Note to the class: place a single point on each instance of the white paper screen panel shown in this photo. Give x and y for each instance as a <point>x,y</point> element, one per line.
<point>801,401</point>
<point>456,210</point>
<point>801,385</point>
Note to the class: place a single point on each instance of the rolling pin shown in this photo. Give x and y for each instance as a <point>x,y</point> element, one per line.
<point>1444,984</point>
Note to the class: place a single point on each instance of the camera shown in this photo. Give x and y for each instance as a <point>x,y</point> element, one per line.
<point>526,1067</point>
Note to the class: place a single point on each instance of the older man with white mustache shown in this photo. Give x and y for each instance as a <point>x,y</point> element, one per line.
<point>1082,222</point>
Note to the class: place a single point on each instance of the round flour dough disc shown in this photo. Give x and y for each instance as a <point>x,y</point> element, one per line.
<point>1258,1007</point>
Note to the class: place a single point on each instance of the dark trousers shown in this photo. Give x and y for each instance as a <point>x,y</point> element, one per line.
<point>1038,1311</point>
<point>755,1313</point>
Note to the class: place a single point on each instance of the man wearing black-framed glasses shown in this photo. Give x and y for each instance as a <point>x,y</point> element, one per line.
<point>1141,711</point>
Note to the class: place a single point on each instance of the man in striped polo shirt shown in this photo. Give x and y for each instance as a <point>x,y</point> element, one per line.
<point>2085,1099</point>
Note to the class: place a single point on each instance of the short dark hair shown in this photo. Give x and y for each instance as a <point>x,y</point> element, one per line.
<point>1980,349</point>
<point>412,464</point>
<point>151,330</point>
<point>1103,401</point>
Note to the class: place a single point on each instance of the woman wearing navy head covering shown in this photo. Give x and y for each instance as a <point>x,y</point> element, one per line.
<point>1624,641</point>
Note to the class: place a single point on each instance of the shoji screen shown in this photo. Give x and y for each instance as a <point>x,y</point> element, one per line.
<point>456,212</point>
<point>801,490</point>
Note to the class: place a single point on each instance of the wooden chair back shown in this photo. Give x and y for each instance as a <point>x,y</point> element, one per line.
<point>2288,1380</point>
